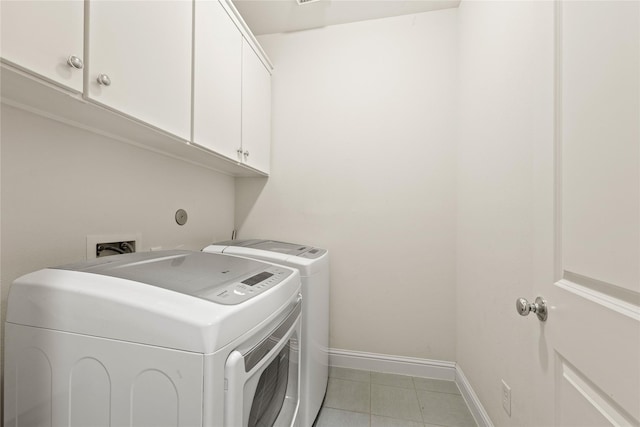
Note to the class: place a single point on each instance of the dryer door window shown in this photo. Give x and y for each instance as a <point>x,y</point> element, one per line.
<point>271,391</point>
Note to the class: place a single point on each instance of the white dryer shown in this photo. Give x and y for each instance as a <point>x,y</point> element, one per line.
<point>313,264</point>
<point>173,338</point>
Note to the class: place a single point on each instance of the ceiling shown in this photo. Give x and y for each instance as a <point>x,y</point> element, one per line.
<point>281,16</point>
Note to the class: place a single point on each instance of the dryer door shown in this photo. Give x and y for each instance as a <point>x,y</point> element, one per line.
<point>262,377</point>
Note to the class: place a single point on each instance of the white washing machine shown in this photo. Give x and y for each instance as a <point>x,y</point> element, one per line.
<point>313,264</point>
<point>172,338</point>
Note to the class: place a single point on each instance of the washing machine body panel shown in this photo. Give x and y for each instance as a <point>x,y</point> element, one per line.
<point>314,273</point>
<point>60,378</point>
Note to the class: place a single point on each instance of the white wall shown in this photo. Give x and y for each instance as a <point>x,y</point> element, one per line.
<point>505,120</point>
<point>406,146</point>
<point>363,164</point>
<point>1,299</point>
<point>60,184</point>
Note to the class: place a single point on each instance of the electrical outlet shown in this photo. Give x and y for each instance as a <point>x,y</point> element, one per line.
<point>506,398</point>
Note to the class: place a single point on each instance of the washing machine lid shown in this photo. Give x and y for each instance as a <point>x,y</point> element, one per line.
<point>168,298</point>
<point>308,259</point>
<point>221,279</point>
<point>284,248</point>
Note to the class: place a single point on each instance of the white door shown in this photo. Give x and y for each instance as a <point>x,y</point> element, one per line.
<point>217,80</point>
<point>40,36</point>
<point>588,269</point>
<point>144,48</point>
<point>256,110</point>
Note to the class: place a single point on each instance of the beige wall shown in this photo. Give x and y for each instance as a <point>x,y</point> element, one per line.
<point>60,184</point>
<point>505,124</point>
<point>363,163</point>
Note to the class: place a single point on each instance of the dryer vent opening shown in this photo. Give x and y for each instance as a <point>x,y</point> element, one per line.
<point>115,248</point>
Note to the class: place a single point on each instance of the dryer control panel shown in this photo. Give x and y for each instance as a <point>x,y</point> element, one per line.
<point>240,291</point>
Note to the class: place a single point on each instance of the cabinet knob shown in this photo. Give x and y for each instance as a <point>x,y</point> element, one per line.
<point>246,153</point>
<point>75,62</point>
<point>104,80</point>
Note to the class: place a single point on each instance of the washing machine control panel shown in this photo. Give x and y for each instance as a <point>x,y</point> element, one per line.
<point>249,287</point>
<point>312,253</point>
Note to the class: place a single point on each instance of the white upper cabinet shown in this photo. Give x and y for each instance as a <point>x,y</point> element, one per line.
<point>158,73</point>
<point>41,36</point>
<point>140,60</point>
<point>232,90</point>
<point>256,110</point>
<point>217,84</point>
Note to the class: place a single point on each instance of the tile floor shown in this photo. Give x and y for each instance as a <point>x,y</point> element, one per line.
<point>371,399</point>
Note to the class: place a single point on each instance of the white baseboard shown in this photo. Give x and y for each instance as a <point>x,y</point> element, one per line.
<point>470,396</point>
<point>438,369</point>
<point>426,368</point>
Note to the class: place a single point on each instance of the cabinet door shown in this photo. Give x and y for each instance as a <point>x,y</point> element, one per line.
<point>217,80</point>
<point>144,48</point>
<point>41,35</point>
<point>256,110</point>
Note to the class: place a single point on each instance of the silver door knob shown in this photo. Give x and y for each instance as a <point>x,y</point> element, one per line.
<point>104,80</point>
<point>539,307</point>
<point>75,62</point>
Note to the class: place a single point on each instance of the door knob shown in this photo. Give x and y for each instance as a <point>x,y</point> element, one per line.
<point>539,307</point>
